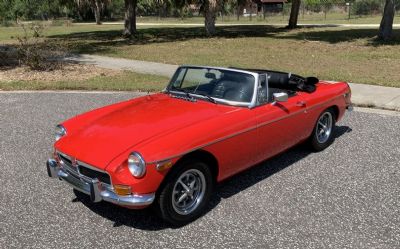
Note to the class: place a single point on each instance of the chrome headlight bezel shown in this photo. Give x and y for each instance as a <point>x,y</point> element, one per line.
<point>136,165</point>
<point>60,132</point>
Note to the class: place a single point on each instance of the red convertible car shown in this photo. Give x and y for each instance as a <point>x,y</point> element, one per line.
<point>169,149</point>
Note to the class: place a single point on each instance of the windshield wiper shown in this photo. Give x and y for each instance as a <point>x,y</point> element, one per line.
<point>188,95</point>
<point>208,97</point>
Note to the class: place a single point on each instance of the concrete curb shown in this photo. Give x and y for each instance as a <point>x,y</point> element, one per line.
<point>375,96</point>
<point>362,94</point>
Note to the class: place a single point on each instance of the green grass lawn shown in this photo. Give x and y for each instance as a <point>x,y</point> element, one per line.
<point>319,18</point>
<point>125,81</point>
<point>334,53</point>
<point>8,33</point>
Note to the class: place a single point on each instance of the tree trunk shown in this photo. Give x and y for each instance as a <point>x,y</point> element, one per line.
<point>251,11</point>
<point>294,14</point>
<point>222,10</point>
<point>210,11</point>
<point>130,17</point>
<point>263,10</point>
<point>96,6</point>
<point>386,27</point>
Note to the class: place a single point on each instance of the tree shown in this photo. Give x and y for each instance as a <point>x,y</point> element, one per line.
<point>239,6</point>
<point>294,14</point>
<point>130,17</point>
<point>96,6</point>
<point>210,14</point>
<point>386,27</point>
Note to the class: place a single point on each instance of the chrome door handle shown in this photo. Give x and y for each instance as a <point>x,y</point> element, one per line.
<point>301,104</point>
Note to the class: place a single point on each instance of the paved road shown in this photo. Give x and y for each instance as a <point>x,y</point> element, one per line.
<point>346,196</point>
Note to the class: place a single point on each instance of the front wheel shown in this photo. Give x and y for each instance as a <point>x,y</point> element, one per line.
<point>186,193</point>
<point>322,135</point>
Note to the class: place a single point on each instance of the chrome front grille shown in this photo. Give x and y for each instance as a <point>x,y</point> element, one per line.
<point>83,170</point>
<point>66,162</point>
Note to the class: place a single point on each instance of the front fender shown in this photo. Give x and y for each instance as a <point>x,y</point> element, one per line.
<point>149,183</point>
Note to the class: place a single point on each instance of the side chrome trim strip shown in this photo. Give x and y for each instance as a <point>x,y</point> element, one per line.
<point>244,131</point>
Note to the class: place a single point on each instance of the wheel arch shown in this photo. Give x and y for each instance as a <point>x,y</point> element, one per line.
<point>201,155</point>
<point>336,111</point>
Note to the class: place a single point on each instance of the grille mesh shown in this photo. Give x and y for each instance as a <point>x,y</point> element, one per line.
<point>81,170</point>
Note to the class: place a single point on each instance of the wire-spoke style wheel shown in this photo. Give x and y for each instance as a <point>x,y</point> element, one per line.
<point>322,135</point>
<point>185,193</point>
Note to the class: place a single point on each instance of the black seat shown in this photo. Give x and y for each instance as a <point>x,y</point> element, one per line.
<point>232,90</point>
<point>234,87</point>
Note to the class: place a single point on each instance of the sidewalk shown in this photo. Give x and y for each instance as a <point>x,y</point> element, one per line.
<point>345,25</point>
<point>362,94</point>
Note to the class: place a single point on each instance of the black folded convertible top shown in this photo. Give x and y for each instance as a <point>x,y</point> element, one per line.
<point>286,80</point>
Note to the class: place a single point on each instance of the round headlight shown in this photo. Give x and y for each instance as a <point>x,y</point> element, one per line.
<point>136,165</point>
<point>60,132</point>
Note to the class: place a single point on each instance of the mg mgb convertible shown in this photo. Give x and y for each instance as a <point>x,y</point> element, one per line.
<point>168,150</point>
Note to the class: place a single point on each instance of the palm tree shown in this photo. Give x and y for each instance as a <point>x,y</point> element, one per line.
<point>130,17</point>
<point>386,27</point>
<point>95,5</point>
<point>294,14</point>
<point>210,14</point>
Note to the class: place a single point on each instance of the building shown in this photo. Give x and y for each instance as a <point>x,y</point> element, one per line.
<point>257,7</point>
<point>271,6</point>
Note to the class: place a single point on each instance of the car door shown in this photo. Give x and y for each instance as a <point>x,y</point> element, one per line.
<point>281,125</point>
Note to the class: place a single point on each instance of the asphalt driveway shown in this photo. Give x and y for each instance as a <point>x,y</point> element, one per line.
<point>346,196</point>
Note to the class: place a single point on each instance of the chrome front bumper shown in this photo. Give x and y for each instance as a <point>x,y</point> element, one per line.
<point>350,108</point>
<point>95,189</point>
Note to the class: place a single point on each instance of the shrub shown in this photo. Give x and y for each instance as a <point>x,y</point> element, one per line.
<point>367,7</point>
<point>36,52</point>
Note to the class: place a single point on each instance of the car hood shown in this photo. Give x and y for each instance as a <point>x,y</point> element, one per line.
<point>108,135</point>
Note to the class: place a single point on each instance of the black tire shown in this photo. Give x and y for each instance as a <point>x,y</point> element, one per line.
<point>167,208</point>
<point>316,142</point>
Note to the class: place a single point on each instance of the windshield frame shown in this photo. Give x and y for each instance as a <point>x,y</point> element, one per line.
<point>250,104</point>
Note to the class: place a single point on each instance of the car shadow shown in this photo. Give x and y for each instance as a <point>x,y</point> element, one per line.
<point>107,40</point>
<point>334,36</point>
<point>146,219</point>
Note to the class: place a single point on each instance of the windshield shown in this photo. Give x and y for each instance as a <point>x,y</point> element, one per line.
<point>215,83</point>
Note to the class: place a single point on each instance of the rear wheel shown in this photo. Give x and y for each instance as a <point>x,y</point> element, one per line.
<point>322,135</point>
<point>186,193</point>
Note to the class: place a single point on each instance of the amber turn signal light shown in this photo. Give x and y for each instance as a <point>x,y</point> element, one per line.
<point>164,165</point>
<point>122,189</point>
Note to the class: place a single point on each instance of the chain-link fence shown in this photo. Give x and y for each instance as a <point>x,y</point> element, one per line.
<point>368,11</point>
<point>344,8</point>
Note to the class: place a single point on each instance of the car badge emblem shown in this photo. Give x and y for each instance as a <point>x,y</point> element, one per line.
<point>74,162</point>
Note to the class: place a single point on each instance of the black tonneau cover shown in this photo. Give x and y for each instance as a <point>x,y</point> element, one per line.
<point>283,80</point>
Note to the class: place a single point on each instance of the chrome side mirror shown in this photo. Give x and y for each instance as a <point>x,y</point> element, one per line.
<point>280,97</point>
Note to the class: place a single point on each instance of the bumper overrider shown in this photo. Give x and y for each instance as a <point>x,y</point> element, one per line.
<point>97,190</point>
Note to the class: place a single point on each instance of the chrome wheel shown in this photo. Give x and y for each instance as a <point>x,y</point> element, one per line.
<point>324,127</point>
<point>188,191</point>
